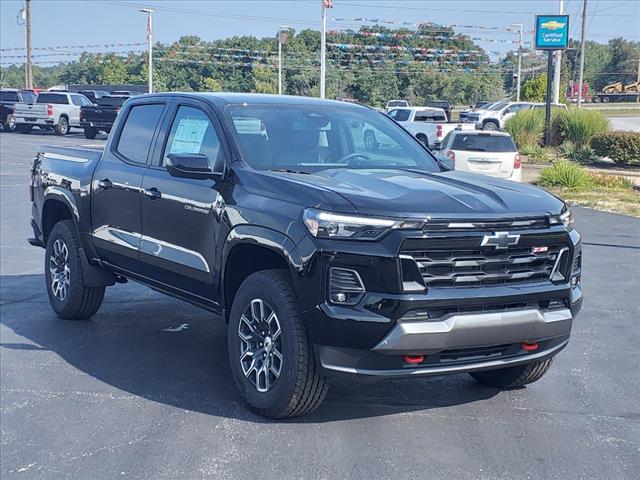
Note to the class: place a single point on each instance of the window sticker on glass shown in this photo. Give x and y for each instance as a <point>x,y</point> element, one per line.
<point>189,135</point>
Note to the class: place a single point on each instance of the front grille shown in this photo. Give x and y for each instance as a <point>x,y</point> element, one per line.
<point>443,266</point>
<point>491,225</point>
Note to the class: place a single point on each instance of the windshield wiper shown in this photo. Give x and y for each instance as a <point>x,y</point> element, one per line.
<point>288,170</point>
<point>471,149</point>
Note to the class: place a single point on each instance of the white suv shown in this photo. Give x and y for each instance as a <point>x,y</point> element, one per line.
<point>495,117</point>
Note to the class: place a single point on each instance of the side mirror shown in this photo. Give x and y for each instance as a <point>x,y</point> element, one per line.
<point>445,162</point>
<point>190,165</point>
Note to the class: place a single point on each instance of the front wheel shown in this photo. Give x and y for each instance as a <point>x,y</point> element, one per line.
<point>514,377</point>
<point>90,133</point>
<point>490,126</point>
<point>9,125</point>
<point>68,295</point>
<point>271,357</point>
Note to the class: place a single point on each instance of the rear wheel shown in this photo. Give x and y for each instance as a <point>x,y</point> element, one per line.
<point>423,139</point>
<point>68,295</point>
<point>605,99</point>
<point>23,128</point>
<point>62,128</point>
<point>490,126</point>
<point>271,357</point>
<point>90,133</point>
<point>513,377</point>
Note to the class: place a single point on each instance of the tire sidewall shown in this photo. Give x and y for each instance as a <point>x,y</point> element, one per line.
<point>61,231</point>
<point>259,286</point>
<point>63,126</point>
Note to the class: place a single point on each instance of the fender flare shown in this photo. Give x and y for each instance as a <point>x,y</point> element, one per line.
<point>63,195</point>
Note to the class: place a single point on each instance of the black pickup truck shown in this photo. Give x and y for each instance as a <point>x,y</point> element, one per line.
<point>8,99</point>
<point>324,253</point>
<point>100,117</point>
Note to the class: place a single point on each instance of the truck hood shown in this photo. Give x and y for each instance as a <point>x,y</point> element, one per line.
<point>411,193</point>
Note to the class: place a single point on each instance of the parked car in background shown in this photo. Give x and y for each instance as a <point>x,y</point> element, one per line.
<point>125,93</point>
<point>396,103</point>
<point>427,124</point>
<point>557,106</point>
<point>489,153</point>
<point>100,117</point>
<point>443,104</point>
<point>9,97</point>
<point>495,116</point>
<point>93,95</point>
<point>57,110</point>
<point>480,105</point>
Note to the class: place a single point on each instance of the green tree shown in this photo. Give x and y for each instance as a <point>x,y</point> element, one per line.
<point>535,89</point>
<point>265,79</point>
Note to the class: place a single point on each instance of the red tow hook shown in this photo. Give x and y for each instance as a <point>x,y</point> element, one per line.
<point>529,347</point>
<point>413,359</point>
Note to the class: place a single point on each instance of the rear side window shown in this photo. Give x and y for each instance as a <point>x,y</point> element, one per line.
<point>29,97</point>
<point>55,98</point>
<point>483,143</point>
<point>400,115</point>
<point>137,132</point>
<point>9,96</point>
<point>112,101</point>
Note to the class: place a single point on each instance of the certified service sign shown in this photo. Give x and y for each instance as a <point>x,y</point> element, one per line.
<point>552,32</point>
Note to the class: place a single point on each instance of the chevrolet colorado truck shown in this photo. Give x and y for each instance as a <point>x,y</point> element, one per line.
<point>325,253</point>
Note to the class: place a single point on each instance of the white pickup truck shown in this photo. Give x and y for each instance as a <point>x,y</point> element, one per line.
<point>427,124</point>
<point>57,110</point>
<point>497,115</point>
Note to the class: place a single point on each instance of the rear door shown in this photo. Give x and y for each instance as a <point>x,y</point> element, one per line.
<point>117,186</point>
<point>182,217</point>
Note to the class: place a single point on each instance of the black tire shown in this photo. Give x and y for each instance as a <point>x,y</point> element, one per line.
<point>514,377</point>
<point>9,125</point>
<point>90,133</point>
<point>370,141</point>
<point>62,128</point>
<point>300,386</point>
<point>605,99</point>
<point>23,128</point>
<point>78,302</point>
<point>423,139</point>
<point>490,126</point>
<point>597,99</point>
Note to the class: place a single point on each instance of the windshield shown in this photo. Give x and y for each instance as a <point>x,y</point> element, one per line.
<point>483,143</point>
<point>309,139</point>
<point>497,106</point>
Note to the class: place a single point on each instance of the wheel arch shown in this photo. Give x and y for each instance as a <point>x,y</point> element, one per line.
<point>58,205</point>
<point>250,249</point>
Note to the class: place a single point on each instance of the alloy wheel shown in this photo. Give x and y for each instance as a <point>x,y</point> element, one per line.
<point>60,270</point>
<point>260,345</point>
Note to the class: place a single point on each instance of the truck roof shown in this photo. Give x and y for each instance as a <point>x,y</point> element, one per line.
<point>232,98</point>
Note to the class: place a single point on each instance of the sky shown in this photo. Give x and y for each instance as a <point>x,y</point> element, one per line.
<point>107,22</point>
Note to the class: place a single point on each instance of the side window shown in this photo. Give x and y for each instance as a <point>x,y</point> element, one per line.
<point>76,100</point>
<point>137,132</point>
<point>192,132</point>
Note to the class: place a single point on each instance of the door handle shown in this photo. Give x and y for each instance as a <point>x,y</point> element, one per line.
<point>152,193</point>
<point>105,184</point>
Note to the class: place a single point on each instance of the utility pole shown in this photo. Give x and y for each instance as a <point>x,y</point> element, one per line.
<point>282,39</point>
<point>28,67</point>
<point>582,39</point>
<point>520,25</point>
<point>557,67</point>
<point>149,13</point>
<point>323,46</point>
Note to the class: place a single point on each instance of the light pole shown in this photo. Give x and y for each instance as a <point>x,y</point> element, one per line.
<point>557,67</point>
<point>520,26</point>
<point>149,11</point>
<point>283,31</point>
<point>323,46</point>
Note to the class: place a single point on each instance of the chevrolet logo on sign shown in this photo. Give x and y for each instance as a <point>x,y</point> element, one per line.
<point>500,240</point>
<point>552,25</point>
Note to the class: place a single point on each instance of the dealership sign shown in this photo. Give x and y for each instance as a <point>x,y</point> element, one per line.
<point>552,32</point>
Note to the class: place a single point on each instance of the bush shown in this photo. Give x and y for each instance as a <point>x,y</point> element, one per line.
<point>536,153</point>
<point>611,181</point>
<point>621,147</point>
<point>526,127</point>
<point>566,175</point>
<point>579,126</point>
<point>571,151</point>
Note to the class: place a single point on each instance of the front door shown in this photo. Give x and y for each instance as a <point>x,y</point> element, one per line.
<point>181,217</point>
<point>117,188</point>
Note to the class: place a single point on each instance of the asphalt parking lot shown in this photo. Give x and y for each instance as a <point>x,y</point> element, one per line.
<point>144,390</point>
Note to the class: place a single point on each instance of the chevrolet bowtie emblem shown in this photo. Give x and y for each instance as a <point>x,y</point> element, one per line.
<point>500,240</point>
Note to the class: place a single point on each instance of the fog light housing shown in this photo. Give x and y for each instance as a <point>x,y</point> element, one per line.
<point>345,286</point>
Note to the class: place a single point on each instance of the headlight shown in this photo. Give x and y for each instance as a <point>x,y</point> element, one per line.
<point>565,219</point>
<point>336,225</point>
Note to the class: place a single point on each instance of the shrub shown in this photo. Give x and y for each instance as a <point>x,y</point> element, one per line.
<point>566,175</point>
<point>536,153</point>
<point>611,181</point>
<point>621,147</point>
<point>526,127</point>
<point>579,126</point>
<point>575,153</point>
